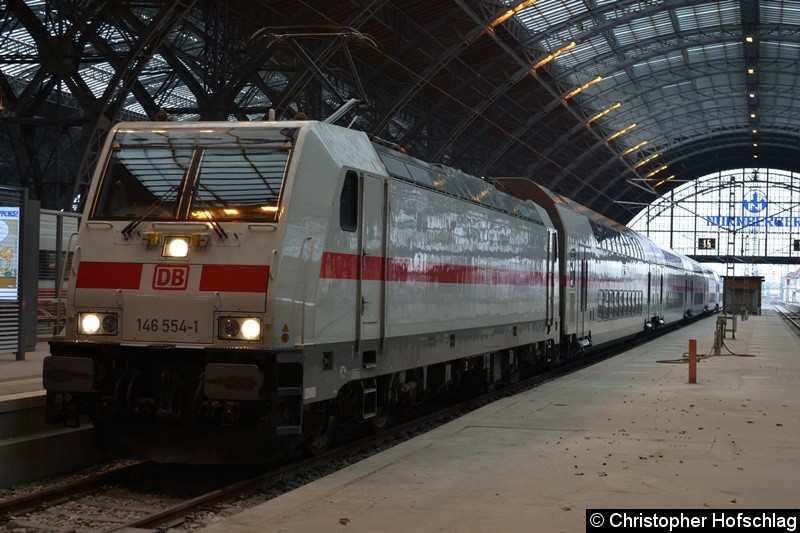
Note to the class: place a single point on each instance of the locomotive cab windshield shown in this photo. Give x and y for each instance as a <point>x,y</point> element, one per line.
<point>203,175</point>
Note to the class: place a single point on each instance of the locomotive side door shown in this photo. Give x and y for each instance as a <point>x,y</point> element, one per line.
<point>371,281</point>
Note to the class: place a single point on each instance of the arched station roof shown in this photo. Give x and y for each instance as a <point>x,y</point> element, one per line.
<point>495,88</point>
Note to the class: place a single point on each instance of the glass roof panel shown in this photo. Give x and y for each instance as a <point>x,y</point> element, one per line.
<point>711,14</point>
<point>786,12</point>
<point>671,61</point>
<point>678,70</point>
<point>556,40</point>
<point>780,49</point>
<point>657,25</point>
<point>547,13</point>
<point>712,53</point>
<point>675,89</point>
<point>585,51</point>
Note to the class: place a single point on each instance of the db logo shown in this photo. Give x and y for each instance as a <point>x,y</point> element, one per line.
<point>170,277</point>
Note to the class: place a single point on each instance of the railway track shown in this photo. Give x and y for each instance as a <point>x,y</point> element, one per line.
<point>790,313</point>
<point>147,496</point>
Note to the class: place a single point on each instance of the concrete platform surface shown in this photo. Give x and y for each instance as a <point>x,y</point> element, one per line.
<point>629,432</point>
<point>30,449</point>
<point>22,378</point>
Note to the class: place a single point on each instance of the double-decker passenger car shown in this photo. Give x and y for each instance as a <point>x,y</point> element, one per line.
<point>617,283</point>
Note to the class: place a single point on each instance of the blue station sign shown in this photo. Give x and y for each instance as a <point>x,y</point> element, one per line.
<point>755,203</point>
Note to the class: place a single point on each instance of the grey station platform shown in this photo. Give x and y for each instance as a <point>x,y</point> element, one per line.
<point>629,432</point>
<point>21,379</point>
<point>30,449</point>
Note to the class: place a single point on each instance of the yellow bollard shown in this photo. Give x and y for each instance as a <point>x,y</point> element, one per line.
<point>692,361</point>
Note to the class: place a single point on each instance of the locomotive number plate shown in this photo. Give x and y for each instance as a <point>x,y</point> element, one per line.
<point>169,321</point>
<point>166,325</point>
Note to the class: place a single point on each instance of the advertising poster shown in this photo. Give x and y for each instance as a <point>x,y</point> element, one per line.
<point>9,253</point>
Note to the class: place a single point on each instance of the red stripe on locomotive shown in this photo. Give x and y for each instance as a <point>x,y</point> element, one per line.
<point>101,275</point>
<point>339,266</point>
<point>234,278</point>
<point>346,266</point>
<point>222,278</point>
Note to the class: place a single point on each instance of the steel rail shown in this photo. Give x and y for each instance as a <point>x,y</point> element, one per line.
<point>790,313</point>
<point>60,493</point>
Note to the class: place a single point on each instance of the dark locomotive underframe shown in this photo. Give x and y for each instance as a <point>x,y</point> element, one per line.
<point>151,400</point>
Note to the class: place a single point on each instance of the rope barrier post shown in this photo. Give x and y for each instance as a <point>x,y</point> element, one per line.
<point>692,360</point>
<point>719,334</point>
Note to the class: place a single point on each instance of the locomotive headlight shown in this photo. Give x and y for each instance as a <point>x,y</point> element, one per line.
<point>177,247</point>
<point>98,323</point>
<point>251,329</point>
<point>89,323</point>
<point>240,328</point>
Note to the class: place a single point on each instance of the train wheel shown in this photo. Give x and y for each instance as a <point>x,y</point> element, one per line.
<point>322,440</point>
<point>386,402</point>
<point>378,423</point>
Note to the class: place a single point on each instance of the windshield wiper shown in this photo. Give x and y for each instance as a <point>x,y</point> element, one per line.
<point>212,219</point>
<point>127,230</point>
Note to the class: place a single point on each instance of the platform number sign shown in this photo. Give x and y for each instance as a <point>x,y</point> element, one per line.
<point>705,243</point>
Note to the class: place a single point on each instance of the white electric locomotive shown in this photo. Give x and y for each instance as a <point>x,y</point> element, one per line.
<point>238,289</point>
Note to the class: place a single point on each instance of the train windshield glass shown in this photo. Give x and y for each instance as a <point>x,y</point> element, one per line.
<point>187,174</point>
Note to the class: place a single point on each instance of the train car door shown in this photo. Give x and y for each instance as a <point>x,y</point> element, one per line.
<point>550,281</point>
<point>583,292</point>
<point>659,297</point>
<point>650,292</point>
<point>578,275</point>
<point>685,295</point>
<point>371,282</point>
